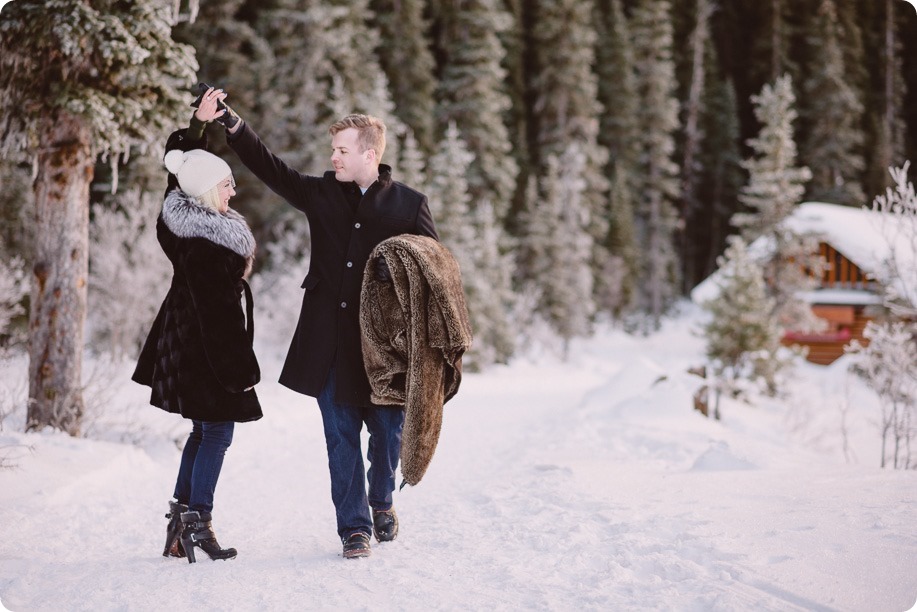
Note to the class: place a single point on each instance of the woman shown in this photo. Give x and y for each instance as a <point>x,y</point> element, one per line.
<point>198,357</point>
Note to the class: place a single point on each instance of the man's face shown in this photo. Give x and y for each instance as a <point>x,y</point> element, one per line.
<point>349,161</point>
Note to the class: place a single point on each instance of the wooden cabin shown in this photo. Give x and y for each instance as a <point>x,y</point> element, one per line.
<point>853,249</point>
<point>846,299</point>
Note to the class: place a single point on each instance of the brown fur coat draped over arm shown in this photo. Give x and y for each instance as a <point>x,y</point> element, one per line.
<point>414,331</point>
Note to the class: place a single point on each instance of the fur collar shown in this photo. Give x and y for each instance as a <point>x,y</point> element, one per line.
<point>187,218</point>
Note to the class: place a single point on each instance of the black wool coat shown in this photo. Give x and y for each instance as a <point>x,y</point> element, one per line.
<point>328,331</point>
<point>198,357</point>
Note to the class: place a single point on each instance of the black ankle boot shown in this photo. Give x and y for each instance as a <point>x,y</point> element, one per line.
<point>173,547</point>
<point>196,531</point>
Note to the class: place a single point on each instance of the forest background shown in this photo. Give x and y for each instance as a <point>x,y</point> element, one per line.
<point>583,159</point>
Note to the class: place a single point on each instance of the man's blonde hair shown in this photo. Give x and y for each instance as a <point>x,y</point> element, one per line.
<point>371,132</point>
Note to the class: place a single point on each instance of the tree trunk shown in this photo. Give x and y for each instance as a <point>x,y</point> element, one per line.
<point>693,138</point>
<point>887,151</point>
<point>776,39</point>
<point>886,425</point>
<point>59,279</point>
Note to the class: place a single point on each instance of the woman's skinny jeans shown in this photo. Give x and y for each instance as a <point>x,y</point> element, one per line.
<point>201,462</point>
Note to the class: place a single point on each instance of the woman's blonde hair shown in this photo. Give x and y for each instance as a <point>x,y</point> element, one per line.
<point>211,198</point>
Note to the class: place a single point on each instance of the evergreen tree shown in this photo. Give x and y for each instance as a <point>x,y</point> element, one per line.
<point>226,38</point>
<point>77,81</point>
<point>473,238</point>
<point>779,39</point>
<point>722,174</point>
<point>856,65</point>
<point>614,66</point>
<point>290,113</point>
<point>834,139</point>
<point>311,85</point>
<point>566,96</point>
<point>907,23</point>
<point>517,62</point>
<point>491,290</point>
<point>412,165</point>
<point>449,197</point>
<point>657,122</point>
<point>889,147</point>
<point>740,327</point>
<point>561,247</point>
<point>775,186</point>
<point>566,111</point>
<point>357,81</point>
<point>763,36</point>
<point>408,64</point>
<point>852,43</point>
<point>472,92</point>
<point>619,276</point>
<point>618,96</point>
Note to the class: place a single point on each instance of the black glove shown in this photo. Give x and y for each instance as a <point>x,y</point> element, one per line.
<point>383,274</point>
<point>229,119</point>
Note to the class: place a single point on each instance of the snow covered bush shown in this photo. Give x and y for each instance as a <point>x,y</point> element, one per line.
<point>889,363</point>
<point>889,367</point>
<point>899,226</point>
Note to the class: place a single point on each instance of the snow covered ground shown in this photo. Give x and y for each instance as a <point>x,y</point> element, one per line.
<point>590,484</point>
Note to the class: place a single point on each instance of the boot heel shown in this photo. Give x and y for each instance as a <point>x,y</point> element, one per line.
<point>198,532</point>
<point>173,530</point>
<point>189,549</point>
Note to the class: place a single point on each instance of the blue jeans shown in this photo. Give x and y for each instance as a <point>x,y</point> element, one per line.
<point>201,462</point>
<point>343,424</point>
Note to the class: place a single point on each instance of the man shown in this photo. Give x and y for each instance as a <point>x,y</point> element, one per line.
<point>350,210</point>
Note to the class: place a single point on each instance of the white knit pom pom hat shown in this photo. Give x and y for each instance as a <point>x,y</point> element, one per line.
<point>197,170</point>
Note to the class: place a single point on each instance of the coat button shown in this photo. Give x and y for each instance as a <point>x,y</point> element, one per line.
<point>349,264</point>
<point>356,225</point>
<point>343,304</point>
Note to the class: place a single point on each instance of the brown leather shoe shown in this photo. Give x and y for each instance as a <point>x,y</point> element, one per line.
<point>357,545</point>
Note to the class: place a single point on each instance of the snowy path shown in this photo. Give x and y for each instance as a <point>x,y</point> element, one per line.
<point>589,485</point>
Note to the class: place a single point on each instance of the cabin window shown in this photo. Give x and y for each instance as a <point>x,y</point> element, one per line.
<point>839,271</point>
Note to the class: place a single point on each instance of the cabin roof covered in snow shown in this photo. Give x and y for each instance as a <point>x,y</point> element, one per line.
<point>860,234</point>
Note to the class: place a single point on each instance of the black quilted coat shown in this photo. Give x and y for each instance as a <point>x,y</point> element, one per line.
<point>198,357</point>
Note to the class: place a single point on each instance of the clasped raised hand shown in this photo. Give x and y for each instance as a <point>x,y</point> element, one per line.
<point>207,110</point>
